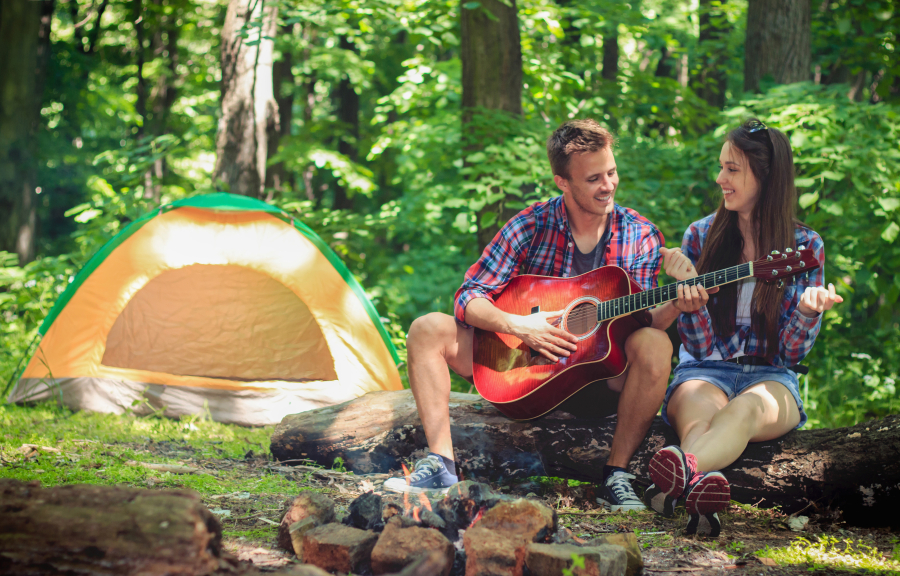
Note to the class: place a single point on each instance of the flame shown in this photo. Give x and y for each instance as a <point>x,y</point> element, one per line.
<point>477,516</point>
<point>406,505</point>
<point>423,499</point>
<point>405,472</point>
<point>415,514</point>
<point>579,540</point>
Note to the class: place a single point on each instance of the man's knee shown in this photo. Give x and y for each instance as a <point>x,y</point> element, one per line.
<point>431,329</point>
<point>651,350</point>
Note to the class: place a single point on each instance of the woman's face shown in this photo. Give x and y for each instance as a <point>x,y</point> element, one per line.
<point>739,186</point>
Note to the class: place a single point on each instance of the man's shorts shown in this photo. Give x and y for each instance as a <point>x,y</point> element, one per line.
<point>732,379</point>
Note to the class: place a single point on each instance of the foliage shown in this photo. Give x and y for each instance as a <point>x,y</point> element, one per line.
<point>832,552</point>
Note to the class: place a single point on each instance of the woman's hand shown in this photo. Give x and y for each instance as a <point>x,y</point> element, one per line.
<point>691,298</point>
<point>817,299</point>
<point>676,264</point>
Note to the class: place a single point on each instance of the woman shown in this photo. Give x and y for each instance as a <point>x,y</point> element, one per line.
<point>733,384</point>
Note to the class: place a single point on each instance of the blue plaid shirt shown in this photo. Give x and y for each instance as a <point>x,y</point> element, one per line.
<point>796,332</point>
<point>538,241</point>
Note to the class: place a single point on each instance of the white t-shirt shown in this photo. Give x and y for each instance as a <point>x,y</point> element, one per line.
<point>745,298</point>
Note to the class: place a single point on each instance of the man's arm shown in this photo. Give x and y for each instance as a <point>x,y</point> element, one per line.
<point>535,329</point>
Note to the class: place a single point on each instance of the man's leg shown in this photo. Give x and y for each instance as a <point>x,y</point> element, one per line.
<point>435,342</point>
<point>642,389</point>
<point>649,353</point>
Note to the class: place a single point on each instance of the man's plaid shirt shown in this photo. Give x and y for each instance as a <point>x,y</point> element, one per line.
<point>796,332</point>
<point>538,241</point>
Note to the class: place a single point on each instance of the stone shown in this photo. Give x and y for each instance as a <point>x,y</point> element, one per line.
<point>397,547</point>
<point>297,531</point>
<point>628,541</point>
<point>339,548</point>
<point>307,504</point>
<point>365,512</point>
<point>553,559</point>
<point>496,544</point>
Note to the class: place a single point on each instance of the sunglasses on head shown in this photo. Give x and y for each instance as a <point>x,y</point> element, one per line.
<point>756,127</point>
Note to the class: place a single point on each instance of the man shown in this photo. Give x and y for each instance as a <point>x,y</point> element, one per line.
<point>569,235</point>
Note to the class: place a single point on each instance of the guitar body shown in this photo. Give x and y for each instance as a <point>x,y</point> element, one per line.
<point>523,384</point>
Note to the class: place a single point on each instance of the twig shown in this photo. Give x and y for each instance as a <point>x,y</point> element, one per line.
<point>558,513</point>
<point>673,569</point>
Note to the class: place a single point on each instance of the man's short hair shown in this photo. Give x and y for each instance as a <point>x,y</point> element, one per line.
<point>575,136</point>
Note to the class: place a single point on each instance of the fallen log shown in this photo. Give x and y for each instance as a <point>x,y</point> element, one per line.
<point>83,529</point>
<point>855,470</point>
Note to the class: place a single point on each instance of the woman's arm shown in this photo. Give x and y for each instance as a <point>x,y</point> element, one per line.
<point>696,328</point>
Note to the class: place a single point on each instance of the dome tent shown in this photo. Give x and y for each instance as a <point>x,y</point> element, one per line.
<point>217,302</point>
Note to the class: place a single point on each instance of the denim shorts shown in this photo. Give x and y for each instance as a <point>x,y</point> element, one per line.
<point>732,379</point>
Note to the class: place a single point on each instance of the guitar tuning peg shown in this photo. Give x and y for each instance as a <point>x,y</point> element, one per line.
<point>775,252</point>
<point>801,247</point>
<point>769,258</point>
<point>788,250</point>
<point>780,284</point>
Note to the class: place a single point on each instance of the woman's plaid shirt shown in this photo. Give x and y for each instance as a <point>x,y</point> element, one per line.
<point>796,332</point>
<point>538,241</point>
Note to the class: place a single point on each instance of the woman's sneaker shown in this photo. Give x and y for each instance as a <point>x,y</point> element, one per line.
<point>429,476</point>
<point>618,495</point>
<point>671,470</point>
<point>708,494</point>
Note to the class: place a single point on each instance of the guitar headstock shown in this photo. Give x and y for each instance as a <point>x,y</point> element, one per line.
<point>779,265</point>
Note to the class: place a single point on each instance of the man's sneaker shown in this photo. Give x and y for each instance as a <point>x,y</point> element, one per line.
<point>671,470</point>
<point>429,476</point>
<point>618,494</point>
<point>708,494</point>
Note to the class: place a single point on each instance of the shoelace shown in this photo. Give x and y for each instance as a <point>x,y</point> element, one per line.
<point>621,487</point>
<point>424,468</point>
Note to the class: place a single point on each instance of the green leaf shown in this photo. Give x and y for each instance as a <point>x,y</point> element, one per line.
<point>889,204</point>
<point>804,182</point>
<point>472,5</point>
<point>488,219</point>
<point>461,222</point>
<point>831,175</point>
<point>476,157</point>
<point>808,199</point>
<point>889,234</point>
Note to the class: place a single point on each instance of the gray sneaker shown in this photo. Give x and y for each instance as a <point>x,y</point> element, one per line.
<point>618,495</point>
<point>430,476</point>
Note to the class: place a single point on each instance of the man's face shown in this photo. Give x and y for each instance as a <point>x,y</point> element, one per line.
<point>591,186</point>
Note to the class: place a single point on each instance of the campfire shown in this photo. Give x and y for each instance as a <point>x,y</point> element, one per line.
<point>469,531</point>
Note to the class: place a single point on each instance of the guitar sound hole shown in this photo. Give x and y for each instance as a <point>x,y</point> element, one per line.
<point>582,318</point>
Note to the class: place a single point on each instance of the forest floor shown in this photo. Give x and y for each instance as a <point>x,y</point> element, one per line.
<point>234,473</point>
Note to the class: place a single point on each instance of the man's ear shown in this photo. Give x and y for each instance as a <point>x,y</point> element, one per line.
<point>561,182</point>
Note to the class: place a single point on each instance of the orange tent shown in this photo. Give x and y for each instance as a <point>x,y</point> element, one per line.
<point>217,303</point>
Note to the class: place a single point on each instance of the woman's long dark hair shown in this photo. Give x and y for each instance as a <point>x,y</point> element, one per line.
<point>768,153</point>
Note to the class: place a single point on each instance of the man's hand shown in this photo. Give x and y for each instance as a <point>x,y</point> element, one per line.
<point>679,267</point>
<point>539,333</point>
<point>817,299</point>
<point>676,264</point>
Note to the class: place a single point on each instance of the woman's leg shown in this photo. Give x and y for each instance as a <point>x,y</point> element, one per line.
<point>691,409</point>
<point>762,412</point>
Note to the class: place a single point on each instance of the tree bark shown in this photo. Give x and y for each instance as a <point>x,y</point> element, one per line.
<point>24,53</point>
<point>83,529</point>
<point>610,69</point>
<point>277,176</point>
<point>853,469</point>
<point>348,114</point>
<point>711,83</point>
<point>491,54</point>
<point>248,101</point>
<point>777,42</point>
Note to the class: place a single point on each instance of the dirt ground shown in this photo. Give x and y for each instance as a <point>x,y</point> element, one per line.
<point>745,529</point>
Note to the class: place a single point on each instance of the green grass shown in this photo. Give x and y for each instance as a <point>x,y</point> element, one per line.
<point>832,552</point>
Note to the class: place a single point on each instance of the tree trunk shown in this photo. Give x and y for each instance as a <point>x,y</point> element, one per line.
<point>777,42</point>
<point>277,176</point>
<point>854,469</point>
<point>348,114</point>
<point>491,54</point>
<point>711,82</point>
<point>83,529</point>
<point>24,53</point>
<point>610,54</point>
<point>248,101</point>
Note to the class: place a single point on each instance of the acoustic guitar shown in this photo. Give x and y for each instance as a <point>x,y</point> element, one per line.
<point>598,308</point>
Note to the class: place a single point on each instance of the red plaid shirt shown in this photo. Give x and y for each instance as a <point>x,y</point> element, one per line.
<point>796,332</point>
<point>538,241</point>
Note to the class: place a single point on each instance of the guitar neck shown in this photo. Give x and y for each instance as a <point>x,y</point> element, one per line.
<point>649,298</point>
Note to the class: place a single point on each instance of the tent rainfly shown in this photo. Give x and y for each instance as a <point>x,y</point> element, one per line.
<point>217,303</point>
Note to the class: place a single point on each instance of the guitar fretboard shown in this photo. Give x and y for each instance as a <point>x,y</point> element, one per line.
<point>648,298</point>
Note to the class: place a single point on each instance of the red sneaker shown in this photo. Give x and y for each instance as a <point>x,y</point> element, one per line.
<point>671,470</point>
